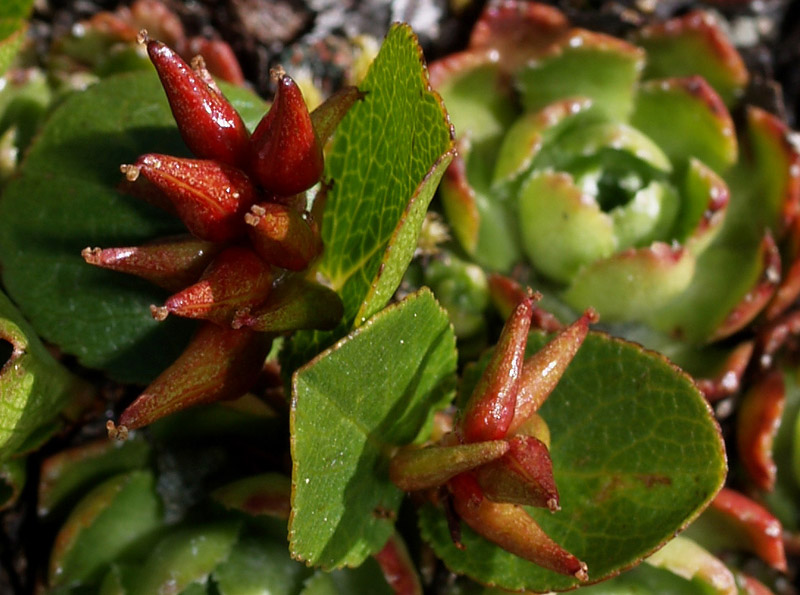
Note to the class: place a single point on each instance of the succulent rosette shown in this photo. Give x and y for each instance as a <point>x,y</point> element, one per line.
<point>615,170</point>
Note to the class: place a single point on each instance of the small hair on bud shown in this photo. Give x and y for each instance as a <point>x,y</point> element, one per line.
<point>91,255</point>
<point>277,73</point>
<point>552,504</point>
<point>159,312</point>
<point>582,574</point>
<point>131,171</point>
<point>116,432</point>
<point>142,37</point>
<point>591,315</point>
<point>254,216</point>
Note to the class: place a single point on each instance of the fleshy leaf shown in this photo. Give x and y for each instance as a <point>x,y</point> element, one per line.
<point>186,556</point>
<point>388,155</point>
<point>34,387</point>
<point>110,519</point>
<point>391,374</point>
<point>67,472</point>
<point>100,316</point>
<point>694,44</point>
<point>562,229</point>
<point>648,278</point>
<point>685,558</point>
<point>686,118</point>
<point>584,64</point>
<point>626,438</point>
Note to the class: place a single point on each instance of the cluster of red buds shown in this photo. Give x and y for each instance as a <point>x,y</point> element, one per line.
<point>497,458</point>
<point>245,267</point>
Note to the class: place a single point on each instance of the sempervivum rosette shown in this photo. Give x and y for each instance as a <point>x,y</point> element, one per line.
<point>615,170</point>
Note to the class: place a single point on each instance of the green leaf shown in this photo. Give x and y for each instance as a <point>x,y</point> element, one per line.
<point>389,154</point>
<point>65,200</point>
<point>374,390</point>
<point>647,580</point>
<point>367,578</point>
<point>636,456</point>
<point>34,387</point>
<point>110,521</point>
<point>12,33</point>
<point>13,474</point>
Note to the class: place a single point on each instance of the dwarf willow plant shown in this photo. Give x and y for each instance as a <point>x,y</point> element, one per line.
<point>288,240</point>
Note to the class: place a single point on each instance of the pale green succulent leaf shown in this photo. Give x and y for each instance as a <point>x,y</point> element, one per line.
<point>686,118</point>
<point>563,229</point>
<point>533,130</point>
<point>631,284</point>
<point>687,559</point>
<point>585,64</point>
<point>648,217</point>
<point>705,201</point>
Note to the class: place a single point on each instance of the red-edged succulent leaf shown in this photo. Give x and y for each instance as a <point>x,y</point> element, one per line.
<point>517,31</point>
<point>687,118</point>
<point>762,531</point>
<point>694,44</point>
<point>524,475</point>
<point>286,155</point>
<point>753,586</point>
<point>490,408</point>
<point>754,301</point>
<point>728,379</point>
<point>705,197</point>
<point>458,198</point>
<point>326,117</point>
<point>295,303</point>
<point>282,236</point>
<point>542,371</point>
<point>171,263</point>
<point>210,198</point>
<point>758,420</point>
<point>217,364</point>
<point>208,123</point>
<point>584,64</point>
<point>398,568</point>
<point>235,279</point>
<point>510,527</point>
<point>422,468</point>
<point>259,495</point>
<point>685,558</point>
<point>774,335</point>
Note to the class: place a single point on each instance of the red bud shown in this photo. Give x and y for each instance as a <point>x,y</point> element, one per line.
<point>542,371</point>
<point>237,278</point>
<point>510,527</point>
<point>171,263</point>
<point>208,123</point>
<point>217,364</point>
<point>209,197</point>
<point>281,236</point>
<point>398,568</point>
<point>295,303</point>
<point>490,408</point>
<point>286,153</point>
<point>524,475</point>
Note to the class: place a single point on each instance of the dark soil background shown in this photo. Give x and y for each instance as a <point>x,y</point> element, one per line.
<point>265,33</point>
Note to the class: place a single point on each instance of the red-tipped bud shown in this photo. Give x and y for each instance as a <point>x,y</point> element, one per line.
<point>282,236</point>
<point>542,371</point>
<point>422,468</point>
<point>208,123</point>
<point>295,304</point>
<point>171,263</point>
<point>286,153</point>
<point>524,475</point>
<point>327,116</point>
<point>209,197</point>
<point>217,364</point>
<point>510,527</point>
<point>236,279</point>
<point>218,57</point>
<point>490,408</point>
